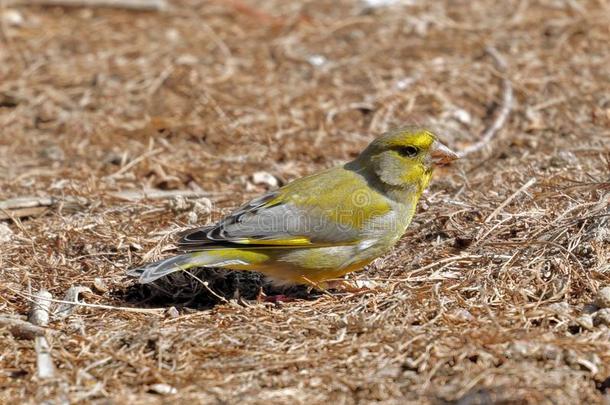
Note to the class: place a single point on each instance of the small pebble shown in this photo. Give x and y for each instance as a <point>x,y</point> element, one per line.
<point>602,317</point>
<point>12,18</point>
<point>589,309</point>
<point>163,389</point>
<point>172,312</point>
<point>265,178</point>
<point>100,285</point>
<point>173,35</point>
<point>380,3</point>
<point>585,321</point>
<point>317,60</point>
<point>461,116</point>
<point>560,308</point>
<point>403,84</point>
<point>187,59</point>
<point>316,382</point>
<point>602,299</point>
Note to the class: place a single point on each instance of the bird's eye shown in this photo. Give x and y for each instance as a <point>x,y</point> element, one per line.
<point>408,151</point>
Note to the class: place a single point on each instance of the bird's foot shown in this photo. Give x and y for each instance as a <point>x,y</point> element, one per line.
<point>274,299</point>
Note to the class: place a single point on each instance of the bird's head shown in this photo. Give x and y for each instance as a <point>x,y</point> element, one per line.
<point>405,157</point>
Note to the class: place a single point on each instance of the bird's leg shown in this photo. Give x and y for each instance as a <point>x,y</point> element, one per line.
<point>262,297</point>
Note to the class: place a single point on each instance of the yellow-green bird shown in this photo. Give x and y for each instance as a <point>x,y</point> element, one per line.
<point>322,226</point>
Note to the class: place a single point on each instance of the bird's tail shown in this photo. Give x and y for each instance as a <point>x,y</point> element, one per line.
<point>153,271</point>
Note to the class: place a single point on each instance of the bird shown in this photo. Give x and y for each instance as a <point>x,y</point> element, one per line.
<point>318,228</point>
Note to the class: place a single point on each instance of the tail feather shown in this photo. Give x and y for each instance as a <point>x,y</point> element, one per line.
<point>156,270</point>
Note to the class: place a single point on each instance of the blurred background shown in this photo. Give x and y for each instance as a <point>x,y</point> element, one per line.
<point>122,121</point>
<point>278,85</point>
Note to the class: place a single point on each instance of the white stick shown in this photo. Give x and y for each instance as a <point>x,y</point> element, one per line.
<point>152,311</point>
<point>39,316</point>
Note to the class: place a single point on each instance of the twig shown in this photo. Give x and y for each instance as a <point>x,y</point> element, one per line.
<point>436,263</point>
<point>23,329</point>
<point>206,285</point>
<point>154,5</point>
<point>524,187</point>
<point>504,108</point>
<point>22,212</point>
<point>153,311</point>
<point>153,194</point>
<point>64,310</point>
<point>39,316</point>
<point>26,202</point>
<point>318,286</point>
<point>31,206</point>
<point>135,162</point>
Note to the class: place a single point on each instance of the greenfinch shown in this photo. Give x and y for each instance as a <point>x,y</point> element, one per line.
<point>323,226</point>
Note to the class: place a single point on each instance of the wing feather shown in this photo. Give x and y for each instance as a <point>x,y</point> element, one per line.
<point>312,211</point>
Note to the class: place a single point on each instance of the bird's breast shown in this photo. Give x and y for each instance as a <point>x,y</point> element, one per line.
<point>382,232</point>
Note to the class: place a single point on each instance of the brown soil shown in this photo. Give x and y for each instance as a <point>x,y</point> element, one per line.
<point>487,298</point>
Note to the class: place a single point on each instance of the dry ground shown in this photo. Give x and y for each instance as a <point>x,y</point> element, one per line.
<point>488,297</point>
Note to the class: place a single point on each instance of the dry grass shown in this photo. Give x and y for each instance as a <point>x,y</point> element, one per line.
<point>485,300</point>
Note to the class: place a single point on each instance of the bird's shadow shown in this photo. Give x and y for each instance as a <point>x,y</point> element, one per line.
<point>205,288</point>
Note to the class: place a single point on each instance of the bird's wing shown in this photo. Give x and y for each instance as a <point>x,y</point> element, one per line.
<point>267,222</point>
<point>308,212</point>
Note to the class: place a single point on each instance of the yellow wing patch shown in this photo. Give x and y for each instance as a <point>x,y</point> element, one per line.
<point>297,241</point>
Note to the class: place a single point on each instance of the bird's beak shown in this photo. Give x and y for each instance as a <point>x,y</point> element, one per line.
<point>442,155</point>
